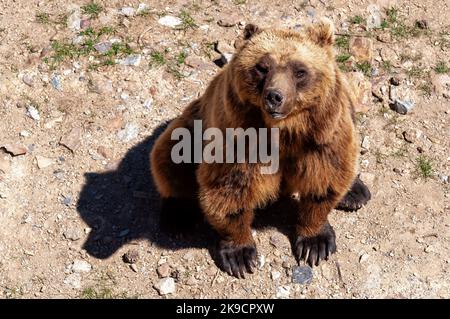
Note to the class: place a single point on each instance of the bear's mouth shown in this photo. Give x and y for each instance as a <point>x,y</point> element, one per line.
<point>277,115</point>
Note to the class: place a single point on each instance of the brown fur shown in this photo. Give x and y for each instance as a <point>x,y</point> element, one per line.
<point>318,149</point>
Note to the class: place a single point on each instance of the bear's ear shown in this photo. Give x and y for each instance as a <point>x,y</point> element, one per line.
<point>250,30</point>
<point>322,32</point>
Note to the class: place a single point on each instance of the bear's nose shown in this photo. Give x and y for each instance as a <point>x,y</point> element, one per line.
<point>274,99</point>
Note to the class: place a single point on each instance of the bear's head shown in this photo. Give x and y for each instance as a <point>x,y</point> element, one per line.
<point>284,72</point>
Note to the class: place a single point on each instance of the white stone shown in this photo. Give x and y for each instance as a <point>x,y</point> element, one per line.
<point>79,266</point>
<point>165,286</point>
<point>283,292</point>
<point>73,280</point>
<point>170,21</point>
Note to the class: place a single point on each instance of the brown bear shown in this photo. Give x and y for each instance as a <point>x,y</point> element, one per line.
<point>277,79</point>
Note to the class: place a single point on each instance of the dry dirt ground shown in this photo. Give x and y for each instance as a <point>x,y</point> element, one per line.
<point>81,196</point>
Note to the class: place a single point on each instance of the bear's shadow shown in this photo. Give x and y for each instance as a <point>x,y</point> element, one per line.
<point>123,205</point>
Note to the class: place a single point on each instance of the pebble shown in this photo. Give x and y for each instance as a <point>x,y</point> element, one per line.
<point>373,21</point>
<point>363,258</point>
<point>443,178</point>
<point>131,60</point>
<point>190,255</point>
<point>56,82</point>
<point>361,48</point>
<point>170,21</point>
<point>165,286</point>
<point>441,84</point>
<point>73,139</point>
<point>14,149</point>
<point>67,200</point>
<point>25,133</point>
<point>105,152</point>
<point>261,261</point>
<point>283,292</point>
<point>33,113</point>
<point>28,80</point>
<point>43,162</point>
<point>74,20</point>
<point>402,106</point>
<point>275,275</point>
<point>131,256</point>
<point>365,144</point>
<point>229,20</point>
<point>72,233</point>
<point>143,7</point>
<point>163,270</point>
<point>130,132</point>
<point>134,267</point>
<point>302,274</point>
<point>80,266</point>
<point>363,90</point>
<point>429,249</point>
<point>411,135</point>
<point>277,241</point>
<point>73,280</point>
<point>103,47</point>
<point>127,11</point>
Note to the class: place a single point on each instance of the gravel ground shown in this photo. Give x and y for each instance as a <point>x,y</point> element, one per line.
<point>86,87</point>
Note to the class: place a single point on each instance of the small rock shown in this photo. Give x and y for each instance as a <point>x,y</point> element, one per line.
<point>384,37</point>
<point>402,107</point>
<point>395,81</point>
<point>25,133</point>
<point>363,258</point>
<point>67,200</point>
<point>43,162</point>
<point>365,144</point>
<point>143,7</point>
<point>443,178</point>
<point>14,149</point>
<point>278,241</point>
<point>85,23</point>
<point>79,266</point>
<point>283,292</point>
<point>374,19</point>
<point>302,274</point>
<point>422,24</point>
<point>411,135</point>
<point>361,48</point>
<point>228,20</point>
<point>74,20</point>
<point>103,47</point>
<point>33,113</point>
<point>131,60</point>
<point>73,280</point>
<point>131,256</point>
<point>261,261</point>
<point>429,249</point>
<point>28,80</point>
<point>362,89</point>
<point>73,139</point>
<point>441,84</point>
<point>130,132</point>
<point>56,82</point>
<point>105,152</point>
<point>286,264</point>
<point>127,11</point>
<point>163,270</point>
<point>134,267</point>
<point>190,255</point>
<point>275,275</point>
<point>165,286</point>
<point>170,21</point>
<point>72,233</point>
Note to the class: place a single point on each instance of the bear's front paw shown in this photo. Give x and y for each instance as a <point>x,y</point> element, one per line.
<point>356,197</point>
<point>237,259</point>
<point>314,249</point>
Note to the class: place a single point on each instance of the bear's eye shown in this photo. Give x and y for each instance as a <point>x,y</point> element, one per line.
<point>299,74</point>
<point>262,69</point>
